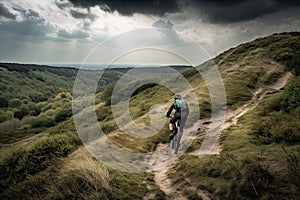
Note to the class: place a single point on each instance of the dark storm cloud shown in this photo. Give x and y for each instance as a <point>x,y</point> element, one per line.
<point>215,11</point>
<point>5,12</point>
<point>237,10</point>
<point>155,7</point>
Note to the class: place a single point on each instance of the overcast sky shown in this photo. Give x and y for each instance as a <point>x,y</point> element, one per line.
<point>66,31</point>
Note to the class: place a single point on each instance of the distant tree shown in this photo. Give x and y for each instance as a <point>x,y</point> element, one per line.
<point>3,102</point>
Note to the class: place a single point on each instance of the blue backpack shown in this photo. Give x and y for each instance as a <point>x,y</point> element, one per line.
<point>180,103</point>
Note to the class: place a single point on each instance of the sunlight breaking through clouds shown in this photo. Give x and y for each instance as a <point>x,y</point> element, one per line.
<point>63,23</point>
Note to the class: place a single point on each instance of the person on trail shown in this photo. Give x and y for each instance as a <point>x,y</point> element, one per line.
<point>181,113</point>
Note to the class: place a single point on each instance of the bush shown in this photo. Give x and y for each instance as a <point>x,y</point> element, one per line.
<point>3,102</point>
<point>25,101</point>
<point>9,115</point>
<point>15,103</point>
<point>46,107</point>
<point>279,127</point>
<point>24,110</point>
<point>228,176</point>
<point>38,121</point>
<point>9,172</point>
<point>108,127</point>
<point>63,114</point>
<point>34,110</point>
<point>44,121</point>
<point>291,96</point>
<point>293,158</point>
<point>287,52</point>
<point>9,125</point>
<point>107,93</point>
<point>2,116</point>
<point>19,115</point>
<point>15,167</point>
<point>50,112</point>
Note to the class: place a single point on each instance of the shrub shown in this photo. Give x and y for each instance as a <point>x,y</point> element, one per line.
<point>34,110</point>
<point>9,125</point>
<point>50,112</point>
<point>60,96</point>
<point>44,121</point>
<point>9,115</point>
<point>291,96</point>
<point>255,180</point>
<point>25,101</point>
<point>228,176</point>
<point>19,115</point>
<point>24,110</point>
<point>287,52</point>
<point>38,121</point>
<point>46,107</point>
<point>26,126</point>
<point>2,116</point>
<point>15,167</point>
<point>283,54</point>
<point>15,103</point>
<point>279,127</point>
<point>108,127</point>
<point>63,114</point>
<point>9,171</point>
<point>3,102</point>
<point>107,93</point>
<point>293,158</point>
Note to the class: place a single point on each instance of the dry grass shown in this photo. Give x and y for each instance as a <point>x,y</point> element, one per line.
<point>90,169</point>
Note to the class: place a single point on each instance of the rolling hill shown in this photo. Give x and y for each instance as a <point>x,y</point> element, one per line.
<point>257,156</point>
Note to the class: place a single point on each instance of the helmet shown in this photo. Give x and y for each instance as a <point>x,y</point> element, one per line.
<point>177,96</point>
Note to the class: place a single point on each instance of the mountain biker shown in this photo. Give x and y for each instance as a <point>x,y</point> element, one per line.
<point>181,113</point>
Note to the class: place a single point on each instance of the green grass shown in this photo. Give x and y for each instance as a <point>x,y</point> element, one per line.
<point>246,169</point>
<point>133,186</point>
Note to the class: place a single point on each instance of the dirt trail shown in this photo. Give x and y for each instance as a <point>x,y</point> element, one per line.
<point>165,184</point>
<point>232,118</point>
<point>174,191</point>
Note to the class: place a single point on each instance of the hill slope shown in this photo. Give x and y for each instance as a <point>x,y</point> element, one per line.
<point>258,156</point>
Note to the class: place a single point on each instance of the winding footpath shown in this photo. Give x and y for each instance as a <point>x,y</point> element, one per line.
<point>174,191</point>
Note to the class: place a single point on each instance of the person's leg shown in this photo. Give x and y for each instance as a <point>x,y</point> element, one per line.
<point>172,126</point>
<point>172,123</point>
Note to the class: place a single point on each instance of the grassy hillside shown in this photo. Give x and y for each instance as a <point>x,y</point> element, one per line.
<point>260,156</point>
